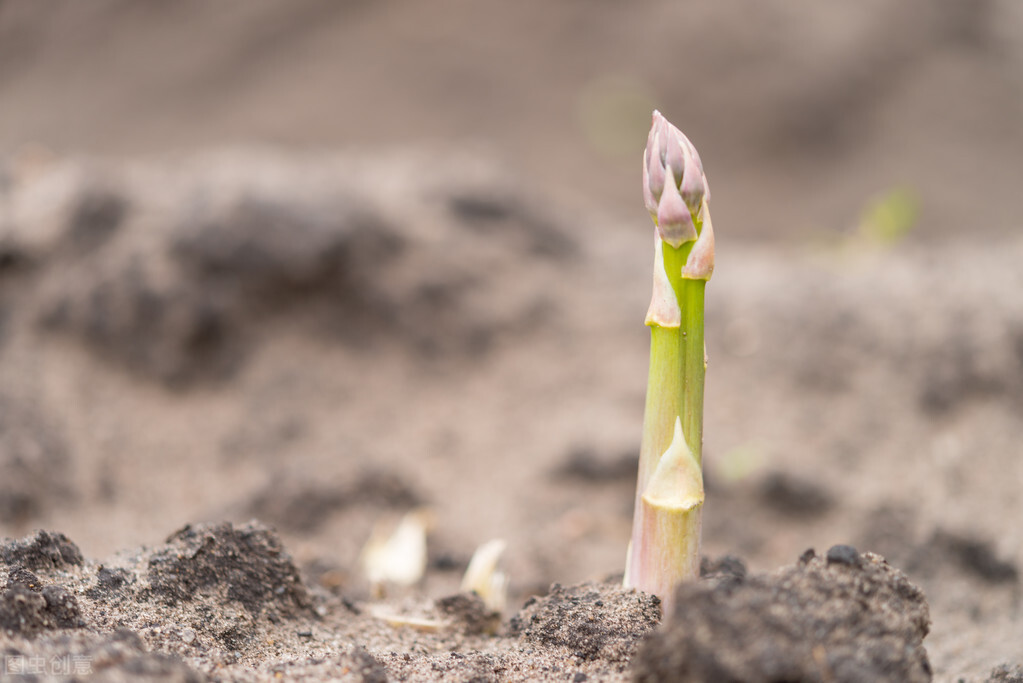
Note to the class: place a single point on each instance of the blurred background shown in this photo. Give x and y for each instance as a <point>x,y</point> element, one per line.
<point>325,262</point>
<point>806,113</point>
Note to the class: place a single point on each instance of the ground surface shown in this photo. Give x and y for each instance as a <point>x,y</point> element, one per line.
<point>429,294</point>
<point>243,335</point>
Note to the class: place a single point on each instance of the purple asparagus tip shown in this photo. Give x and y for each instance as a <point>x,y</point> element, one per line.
<point>674,185</point>
<point>676,194</point>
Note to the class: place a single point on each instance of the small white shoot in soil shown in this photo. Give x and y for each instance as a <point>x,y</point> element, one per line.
<point>484,578</point>
<point>396,554</point>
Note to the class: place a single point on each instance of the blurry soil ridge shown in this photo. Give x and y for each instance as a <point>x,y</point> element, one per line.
<point>171,270</point>
<point>226,602</point>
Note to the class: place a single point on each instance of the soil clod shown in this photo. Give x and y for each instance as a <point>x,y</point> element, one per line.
<point>809,622</point>
<point>43,551</point>
<point>592,621</point>
<point>246,564</point>
<point>27,612</point>
<point>23,577</point>
<point>109,582</point>
<point>469,611</point>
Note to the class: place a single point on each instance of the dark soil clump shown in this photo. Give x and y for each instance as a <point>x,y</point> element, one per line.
<point>469,610</point>
<point>246,564</point>
<point>726,568</point>
<point>848,617</point>
<point>109,582</point>
<point>26,611</point>
<point>592,621</point>
<point>43,551</point>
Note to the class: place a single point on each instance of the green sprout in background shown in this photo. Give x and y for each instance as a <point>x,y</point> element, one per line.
<point>890,217</point>
<point>665,546</point>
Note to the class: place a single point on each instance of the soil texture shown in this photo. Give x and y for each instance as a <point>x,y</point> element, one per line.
<point>195,343</point>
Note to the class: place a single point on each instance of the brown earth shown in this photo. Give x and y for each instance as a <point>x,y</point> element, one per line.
<point>249,335</point>
<point>321,339</point>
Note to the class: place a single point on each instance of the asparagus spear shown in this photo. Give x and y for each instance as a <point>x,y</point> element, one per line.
<point>665,545</point>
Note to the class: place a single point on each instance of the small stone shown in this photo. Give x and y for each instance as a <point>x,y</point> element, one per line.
<point>188,635</point>
<point>843,554</point>
<point>579,677</point>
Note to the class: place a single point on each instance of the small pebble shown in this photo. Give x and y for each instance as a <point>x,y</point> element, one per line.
<point>579,677</point>
<point>843,554</point>
<point>188,635</point>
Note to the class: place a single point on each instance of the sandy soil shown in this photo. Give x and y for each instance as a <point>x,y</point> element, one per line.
<point>246,335</point>
<point>321,264</point>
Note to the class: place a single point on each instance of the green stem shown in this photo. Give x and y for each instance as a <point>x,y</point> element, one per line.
<point>669,500</point>
<point>694,364</point>
<point>665,389</point>
<point>663,399</point>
